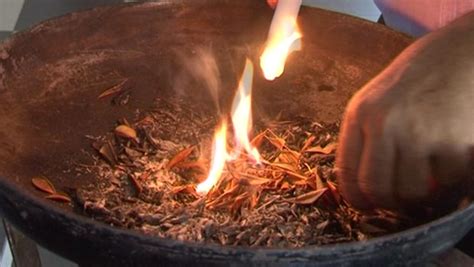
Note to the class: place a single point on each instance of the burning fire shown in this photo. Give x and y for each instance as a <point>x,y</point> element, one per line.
<point>219,157</point>
<point>242,113</point>
<point>284,37</point>
<point>242,123</point>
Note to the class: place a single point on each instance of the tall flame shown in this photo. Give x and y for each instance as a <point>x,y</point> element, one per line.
<point>242,113</point>
<point>284,37</point>
<point>219,157</point>
<point>242,124</point>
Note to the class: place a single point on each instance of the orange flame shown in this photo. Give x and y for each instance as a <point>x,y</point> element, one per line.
<point>242,124</point>
<point>242,113</point>
<point>284,37</point>
<point>219,157</point>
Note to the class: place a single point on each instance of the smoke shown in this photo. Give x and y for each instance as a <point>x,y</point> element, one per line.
<point>198,70</point>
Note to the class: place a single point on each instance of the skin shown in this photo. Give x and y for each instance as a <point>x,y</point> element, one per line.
<point>409,133</point>
<point>410,130</point>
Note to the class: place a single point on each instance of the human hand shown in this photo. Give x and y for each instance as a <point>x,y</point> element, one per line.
<point>410,130</point>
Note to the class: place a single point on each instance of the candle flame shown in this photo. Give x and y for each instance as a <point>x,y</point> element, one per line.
<point>242,113</point>
<point>219,157</point>
<point>284,37</point>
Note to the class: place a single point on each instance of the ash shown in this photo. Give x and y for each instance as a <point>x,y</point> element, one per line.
<point>148,173</point>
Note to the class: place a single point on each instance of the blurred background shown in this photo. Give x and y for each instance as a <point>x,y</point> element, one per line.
<point>17,15</point>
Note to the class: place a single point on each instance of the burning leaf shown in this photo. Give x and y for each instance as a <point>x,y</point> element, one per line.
<point>60,197</point>
<point>328,149</point>
<point>43,184</point>
<point>308,198</point>
<point>113,90</point>
<point>126,131</point>
<point>183,154</point>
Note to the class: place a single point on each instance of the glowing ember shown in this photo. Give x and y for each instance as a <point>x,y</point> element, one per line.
<point>219,157</point>
<point>242,113</point>
<point>283,38</point>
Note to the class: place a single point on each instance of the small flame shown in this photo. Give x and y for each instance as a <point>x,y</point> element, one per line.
<point>284,37</point>
<point>242,113</point>
<point>219,157</point>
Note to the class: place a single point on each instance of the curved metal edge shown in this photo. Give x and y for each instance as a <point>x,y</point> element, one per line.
<point>455,226</point>
<point>331,255</point>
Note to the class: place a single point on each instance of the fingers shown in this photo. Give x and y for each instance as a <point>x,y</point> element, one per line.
<point>376,171</point>
<point>450,164</point>
<point>412,177</point>
<point>347,163</point>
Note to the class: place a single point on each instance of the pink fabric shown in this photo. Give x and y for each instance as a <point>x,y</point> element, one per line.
<point>417,17</point>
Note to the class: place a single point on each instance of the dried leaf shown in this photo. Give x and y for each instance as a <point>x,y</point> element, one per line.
<point>132,153</point>
<point>188,189</point>
<point>322,225</point>
<point>319,182</point>
<point>297,175</point>
<point>334,192</point>
<point>289,156</point>
<point>284,166</point>
<point>328,149</point>
<point>138,187</point>
<point>256,181</point>
<point>308,198</point>
<point>113,90</point>
<point>126,131</point>
<point>59,197</point>
<point>285,185</point>
<point>254,198</point>
<point>145,121</point>
<point>43,184</point>
<point>371,229</point>
<point>183,154</point>
<point>277,142</point>
<point>107,151</point>
<point>308,142</point>
<point>200,166</point>
<point>288,171</point>
<point>258,139</point>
